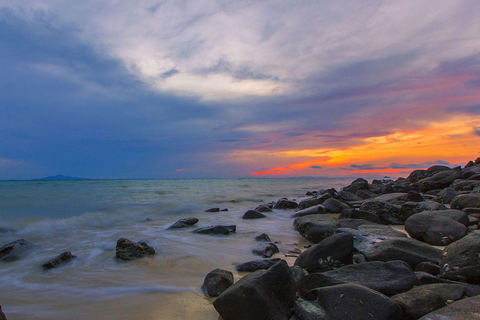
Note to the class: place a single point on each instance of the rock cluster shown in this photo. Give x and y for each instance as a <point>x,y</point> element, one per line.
<point>359,267</point>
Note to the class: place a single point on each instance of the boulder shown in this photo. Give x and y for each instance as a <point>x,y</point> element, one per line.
<point>446,195</point>
<point>428,267</point>
<point>285,204</point>
<point>264,208</point>
<point>462,201</point>
<point>318,209</point>
<point>217,230</point>
<point>309,202</point>
<point>460,260</point>
<point>353,223</point>
<point>334,206</point>
<point>129,250</point>
<point>447,291</point>
<point>262,295</point>
<point>417,175</point>
<point>414,196</point>
<point>416,304</point>
<point>309,310</point>
<point>466,309</point>
<point>316,227</point>
<point>386,277</point>
<point>359,214</point>
<point>347,196</point>
<point>217,281</point>
<point>253,214</point>
<point>267,250</point>
<point>15,250</point>
<point>384,210</point>
<point>58,260</point>
<point>363,240</point>
<point>183,223</point>
<point>465,185</point>
<point>255,265</point>
<point>382,230</point>
<point>263,237</point>
<point>334,251</point>
<point>313,281</point>
<point>438,227</point>
<point>426,278</point>
<point>410,208</point>
<point>365,194</point>
<point>439,180</point>
<point>355,302</point>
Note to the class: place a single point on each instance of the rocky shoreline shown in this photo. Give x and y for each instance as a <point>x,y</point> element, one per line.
<point>355,265</point>
<point>358,266</point>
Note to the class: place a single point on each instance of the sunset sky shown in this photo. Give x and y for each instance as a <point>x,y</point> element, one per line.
<point>217,89</point>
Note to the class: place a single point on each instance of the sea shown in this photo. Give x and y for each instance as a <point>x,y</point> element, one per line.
<point>87,217</point>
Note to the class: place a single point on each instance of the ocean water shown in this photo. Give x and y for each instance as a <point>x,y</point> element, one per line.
<point>88,217</point>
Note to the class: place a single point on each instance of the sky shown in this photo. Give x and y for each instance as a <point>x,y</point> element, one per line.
<point>228,89</point>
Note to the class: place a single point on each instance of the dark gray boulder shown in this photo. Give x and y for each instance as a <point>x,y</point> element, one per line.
<point>15,250</point>
<point>460,260</point>
<point>355,302</point>
<point>264,208</point>
<point>416,304</point>
<point>183,223</point>
<point>263,237</point>
<point>217,281</point>
<point>462,201</point>
<point>313,281</point>
<point>382,230</point>
<point>408,209</point>
<point>438,227</point>
<point>316,227</point>
<point>129,250</point>
<point>353,223</point>
<point>365,194</point>
<point>217,230</point>
<point>334,251</point>
<point>439,180</point>
<point>446,195</point>
<point>309,310</point>
<point>426,278</point>
<point>58,260</point>
<point>428,267</point>
<point>466,309</point>
<point>309,202</point>
<point>448,291</point>
<point>335,206</point>
<point>359,214</point>
<point>465,185</point>
<point>347,196</point>
<point>385,211</point>
<point>363,240</point>
<point>253,214</point>
<point>386,277</point>
<point>285,204</point>
<point>318,209</point>
<point>255,265</point>
<point>262,295</point>
<point>267,250</point>
<point>213,210</point>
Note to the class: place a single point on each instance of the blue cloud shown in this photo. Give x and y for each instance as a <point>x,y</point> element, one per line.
<point>316,167</point>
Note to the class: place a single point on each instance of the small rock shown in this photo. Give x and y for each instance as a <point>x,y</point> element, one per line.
<point>359,214</point>
<point>217,281</point>
<point>335,206</point>
<point>316,227</point>
<point>129,250</point>
<point>318,209</point>
<point>308,310</point>
<point>15,250</point>
<point>447,195</point>
<point>253,214</point>
<point>213,210</point>
<point>263,208</point>
<point>384,210</point>
<point>58,260</point>
<point>307,203</point>
<point>183,223</point>
<point>217,230</point>
<point>285,204</point>
<point>255,265</point>
<point>263,237</point>
<point>267,251</point>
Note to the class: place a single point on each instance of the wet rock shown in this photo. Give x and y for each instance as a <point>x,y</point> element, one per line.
<point>217,281</point>
<point>359,214</point>
<point>384,210</point>
<point>355,302</point>
<point>427,278</point>
<point>213,210</point>
<point>264,208</point>
<point>58,260</point>
<point>414,196</point>
<point>461,259</point>
<point>428,267</point>
<point>439,180</point>
<point>285,204</point>
<point>347,196</point>
<point>386,277</point>
<point>438,227</point>
<point>447,195</point>
<point>382,230</point>
<point>183,223</point>
<point>318,209</point>
<point>297,272</point>
<point>217,230</point>
<point>446,291</point>
<point>363,241</point>
<point>129,250</point>
<point>253,214</point>
<point>316,227</point>
<point>266,251</point>
<point>334,251</point>
<point>308,310</point>
<point>255,265</point>
<point>365,194</point>
<point>307,203</point>
<point>462,201</point>
<point>313,281</point>
<point>416,304</point>
<point>262,295</point>
<point>263,237</point>
<point>408,209</point>
<point>334,206</point>
<point>466,309</point>
<point>353,223</point>
<point>15,250</point>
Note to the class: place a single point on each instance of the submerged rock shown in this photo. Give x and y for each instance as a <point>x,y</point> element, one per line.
<point>255,265</point>
<point>213,210</point>
<point>217,281</point>
<point>318,209</point>
<point>15,250</point>
<point>183,223</point>
<point>129,250</point>
<point>253,214</point>
<point>263,237</point>
<point>267,251</point>
<point>217,230</point>
<point>285,204</point>
<point>58,260</point>
<point>262,295</point>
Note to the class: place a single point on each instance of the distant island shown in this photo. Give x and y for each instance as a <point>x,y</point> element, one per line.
<point>59,177</point>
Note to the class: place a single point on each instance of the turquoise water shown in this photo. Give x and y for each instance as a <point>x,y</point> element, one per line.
<point>87,217</point>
